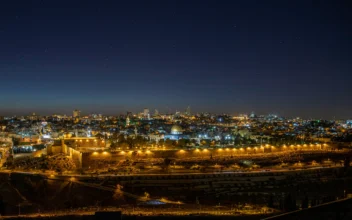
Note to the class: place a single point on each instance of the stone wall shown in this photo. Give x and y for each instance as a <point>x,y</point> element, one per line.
<point>76,156</point>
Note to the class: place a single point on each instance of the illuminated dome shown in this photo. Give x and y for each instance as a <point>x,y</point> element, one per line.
<point>175,129</point>
<point>67,135</point>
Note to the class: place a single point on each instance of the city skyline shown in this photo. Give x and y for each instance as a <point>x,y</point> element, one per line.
<point>177,109</point>
<point>232,57</point>
<point>156,112</point>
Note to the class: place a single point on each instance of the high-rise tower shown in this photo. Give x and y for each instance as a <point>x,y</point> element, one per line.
<point>188,111</point>
<point>76,113</point>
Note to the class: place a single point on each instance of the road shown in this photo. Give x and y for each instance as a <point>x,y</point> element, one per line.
<point>172,173</point>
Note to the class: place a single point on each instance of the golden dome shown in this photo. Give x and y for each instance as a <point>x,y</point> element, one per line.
<point>67,135</point>
<point>175,129</point>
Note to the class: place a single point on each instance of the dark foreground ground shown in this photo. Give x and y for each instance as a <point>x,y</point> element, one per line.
<point>339,210</point>
<point>116,217</point>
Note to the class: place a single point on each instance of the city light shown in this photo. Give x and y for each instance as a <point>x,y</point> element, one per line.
<point>175,110</point>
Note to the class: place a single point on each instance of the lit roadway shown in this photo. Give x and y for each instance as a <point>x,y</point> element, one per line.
<point>264,170</point>
<point>225,211</point>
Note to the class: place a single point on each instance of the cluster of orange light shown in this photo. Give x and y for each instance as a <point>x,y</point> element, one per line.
<point>87,140</point>
<point>103,153</point>
<point>261,147</point>
<point>139,151</point>
<point>233,149</point>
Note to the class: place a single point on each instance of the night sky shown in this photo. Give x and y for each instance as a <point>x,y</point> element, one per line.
<point>287,57</point>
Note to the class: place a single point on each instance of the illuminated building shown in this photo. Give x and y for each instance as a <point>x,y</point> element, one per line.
<point>349,123</point>
<point>156,112</point>
<point>33,117</point>
<point>175,130</point>
<point>146,114</point>
<point>76,113</point>
<point>241,117</point>
<point>252,115</point>
<point>128,121</point>
<point>188,111</point>
<point>176,133</point>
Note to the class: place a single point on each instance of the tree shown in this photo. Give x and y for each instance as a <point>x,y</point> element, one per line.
<point>166,164</point>
<point>114,136</point>
<point>271,201</point>
<point>2,206</point>
<point>347,163</point>
<point>305,202</point>
<point>118,194</point>
<point>167,161</point>
<point>169,143</point>
<point>288,203</point>
<point>182,142</point>
<point>313,203</point>
<point>99,136</point>
<point>121,138</point>
<point>146,195</point>
<point>15,141</point>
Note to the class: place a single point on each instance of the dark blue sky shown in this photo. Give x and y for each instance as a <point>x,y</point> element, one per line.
<point>287,57</point>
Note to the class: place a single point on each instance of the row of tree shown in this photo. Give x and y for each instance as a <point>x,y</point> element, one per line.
<point>288,202</point>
